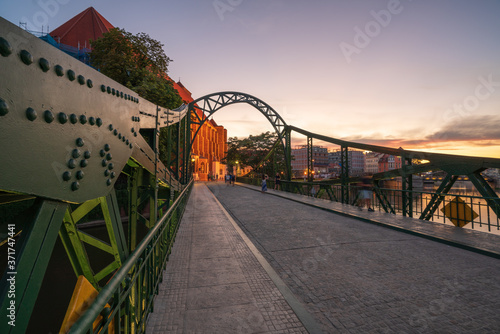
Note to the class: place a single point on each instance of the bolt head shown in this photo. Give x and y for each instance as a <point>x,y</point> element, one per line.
<point>26,57</point>
<point>5,47</point>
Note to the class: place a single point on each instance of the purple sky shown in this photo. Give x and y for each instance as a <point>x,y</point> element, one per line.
<point>419,74</point>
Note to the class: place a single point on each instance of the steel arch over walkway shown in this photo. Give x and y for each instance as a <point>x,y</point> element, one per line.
<point>211,103</point>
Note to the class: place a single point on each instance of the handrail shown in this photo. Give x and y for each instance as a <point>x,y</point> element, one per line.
<point>86,321</point>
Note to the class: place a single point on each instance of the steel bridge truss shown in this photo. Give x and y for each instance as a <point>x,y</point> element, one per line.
<point>453,165</point>
<point>204,107</point>
<point>78,145</point>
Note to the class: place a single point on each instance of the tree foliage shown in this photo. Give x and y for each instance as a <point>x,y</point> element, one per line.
<point>137,62</point>
<point>252,150</point>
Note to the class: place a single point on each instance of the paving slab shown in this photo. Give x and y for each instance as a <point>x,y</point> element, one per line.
<point>214,283</point>
<point>359,277</point>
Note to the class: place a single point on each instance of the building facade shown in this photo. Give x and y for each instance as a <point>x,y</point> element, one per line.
<point>299,160</point>
<point>355,161</point>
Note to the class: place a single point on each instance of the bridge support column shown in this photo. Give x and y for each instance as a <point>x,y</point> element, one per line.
<point>344,176</point>
<point>407,187</point>
<point>32,253</point>
<point>288,154</point>
<point>310,160</point>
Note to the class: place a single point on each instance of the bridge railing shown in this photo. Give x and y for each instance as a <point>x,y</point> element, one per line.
<point>124,303</point>
<point>448,208</point>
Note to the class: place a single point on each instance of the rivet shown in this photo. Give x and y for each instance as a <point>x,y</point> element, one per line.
<point>73,118</point>
<point>123,139</point>
<point>104,162</point>
<point>108,89</point>
<point>91,120</point>
<point>117,93</point>
<point>109,156</point>
<point>113,174</point>
<point>62,117</point>
<point>31,114</point>
<point>121,95</point>
<point>5,48</point>
<point>127,142</point>
<point>103,88</point>
<point>119,136</point>
<point>44,64</point>
<point>107,147</point>
<point>81,79</point>
<point>98,121</point>
<point>113,91</point>
<point>102,153</point>
<point>130,145</point>
<point>48,116</point>
<point>71,75</point>
<point>89,83</point>
<point>135,134</point>
<point>132,130</point>
<point>108,182</point>
<point>4,108</point>
<point>111,166</point>
<point>66,176</point>
<point>83,119</point>
<point>115,132</point>
<point>84,163</point>
<point>75,153</point>
<point>79,142</point>
<point>80,175</point>
<point>110,127</point>
<point>26,57</point>
<point>59,70</point>
<point>133,118</point>
<point>71,163</point>
<point>87,154</point>
<point>106,172</point>
<point>75,185</point>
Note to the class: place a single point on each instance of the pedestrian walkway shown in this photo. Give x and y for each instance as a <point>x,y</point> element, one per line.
<point>214,282</point>
<point>480,242</point>
<point>328,272</point>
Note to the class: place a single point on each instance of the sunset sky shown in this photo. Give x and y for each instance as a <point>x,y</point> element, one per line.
<point>417,74</point>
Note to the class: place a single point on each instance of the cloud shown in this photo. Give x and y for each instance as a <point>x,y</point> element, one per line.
<point>471,128</point>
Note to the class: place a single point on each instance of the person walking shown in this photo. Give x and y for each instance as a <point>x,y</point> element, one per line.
<point>277,179</point>
<point>264,183</point>
<point>365,194</point>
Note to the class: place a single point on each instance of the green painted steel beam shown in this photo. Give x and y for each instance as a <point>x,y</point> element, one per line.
<point>438,197</point>
<point>32,255</point>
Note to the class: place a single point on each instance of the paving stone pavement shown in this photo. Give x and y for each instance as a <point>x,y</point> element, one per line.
<point>213,283</point>
<point>356,277</point>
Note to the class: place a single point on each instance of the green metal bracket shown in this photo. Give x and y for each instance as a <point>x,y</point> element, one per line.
<point>32,256</point>
<point>437,198</point>
<point>74,240</point>
<point>486,191</point>
<point>386,204</point>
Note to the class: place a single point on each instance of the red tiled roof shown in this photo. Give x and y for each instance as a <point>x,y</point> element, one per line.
<point>183,92</point>
<point>85,26</point>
